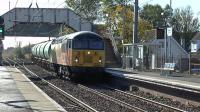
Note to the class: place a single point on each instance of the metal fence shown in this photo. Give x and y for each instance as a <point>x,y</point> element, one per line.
<point>151,57</point>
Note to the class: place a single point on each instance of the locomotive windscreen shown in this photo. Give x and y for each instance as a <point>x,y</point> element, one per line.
<point>88,42</point>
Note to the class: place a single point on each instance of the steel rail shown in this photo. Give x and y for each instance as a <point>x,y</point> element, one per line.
<point>145,99</point>
<point>4,60</point>
<point>113,99</point>
<point>82,104</point>
<point>72,98</point>
<point>187,89</point>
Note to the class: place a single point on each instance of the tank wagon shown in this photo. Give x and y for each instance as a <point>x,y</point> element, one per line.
<point>78,54</point>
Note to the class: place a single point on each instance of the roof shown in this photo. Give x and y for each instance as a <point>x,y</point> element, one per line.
<point>196,37</point>
<point>73,35</point>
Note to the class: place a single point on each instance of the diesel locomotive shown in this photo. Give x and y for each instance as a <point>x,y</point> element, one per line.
<point>74,55</point>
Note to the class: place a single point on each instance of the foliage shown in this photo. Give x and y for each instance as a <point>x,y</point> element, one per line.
<point>143,27</point>
<point>168,13</point>
<point>101,29</point>
<point>27,49</point>
<point>18,52</point>
<point>87,9</point>
<point>184,20</point>
<point>120,20</point>
<point>66,30</point>
<point>152,14</point>
<point>118,16</point>
<point>185,25</point>
<point>21,51</point>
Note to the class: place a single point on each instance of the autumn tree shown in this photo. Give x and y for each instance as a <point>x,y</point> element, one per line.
<point>143,27</point>
<point>117,15</point>
<point>120,19</point>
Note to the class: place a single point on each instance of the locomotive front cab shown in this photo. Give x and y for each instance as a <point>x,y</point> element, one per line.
<point>88,51</point>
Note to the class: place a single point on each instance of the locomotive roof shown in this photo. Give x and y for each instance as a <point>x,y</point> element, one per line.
<point>73,35</point>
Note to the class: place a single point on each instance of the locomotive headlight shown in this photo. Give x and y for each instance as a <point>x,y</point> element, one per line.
<point>100,60</point>
<point>76,59</point>
<point>88,52</point>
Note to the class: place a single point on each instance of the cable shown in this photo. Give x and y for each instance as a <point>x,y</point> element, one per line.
<point>45,10</point>
<point>60,4</point>
<point>16,3</point>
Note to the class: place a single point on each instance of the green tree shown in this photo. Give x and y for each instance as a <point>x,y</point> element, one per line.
<point>120,20</point>
<point>27,49</point>
<point>185,25</point>
<point>18,52</point>
<point>87,9</point>
<point>152,13</point>
<point>117,15</point>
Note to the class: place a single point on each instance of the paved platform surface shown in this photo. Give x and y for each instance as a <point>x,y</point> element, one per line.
<point>185,81</point>
<point>19,94</point>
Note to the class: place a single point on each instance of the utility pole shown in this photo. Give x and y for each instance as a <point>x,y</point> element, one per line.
<point>124,21</point>
<point>9,5</point>
<point>135,31</point>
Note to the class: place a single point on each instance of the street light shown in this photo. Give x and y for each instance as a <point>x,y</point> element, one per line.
<point>165,37</point>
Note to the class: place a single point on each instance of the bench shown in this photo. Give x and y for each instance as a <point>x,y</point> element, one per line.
<point>195,70</point>
<point>168,69</point>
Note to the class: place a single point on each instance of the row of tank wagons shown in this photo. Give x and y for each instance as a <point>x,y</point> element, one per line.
<point>42,50</point>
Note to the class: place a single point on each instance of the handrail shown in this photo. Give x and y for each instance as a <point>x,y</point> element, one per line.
<point>114,45</point>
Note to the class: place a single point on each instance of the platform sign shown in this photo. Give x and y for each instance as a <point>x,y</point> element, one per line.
<point>193,47</point>
<point>169,31</point>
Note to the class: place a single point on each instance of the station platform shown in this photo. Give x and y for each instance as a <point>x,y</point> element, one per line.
<point>19,94</point>
<point>190,82</point>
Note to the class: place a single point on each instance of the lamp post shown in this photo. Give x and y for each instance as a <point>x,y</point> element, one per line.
<point>165,38</point>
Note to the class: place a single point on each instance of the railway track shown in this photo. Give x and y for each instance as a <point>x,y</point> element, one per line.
<point>134,108</point>
<point>149,105</point>
<point>73,99</point>
<point>167,107</point>
<point>123,106</point>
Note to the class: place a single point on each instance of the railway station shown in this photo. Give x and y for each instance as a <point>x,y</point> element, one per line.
<point>99,56</point>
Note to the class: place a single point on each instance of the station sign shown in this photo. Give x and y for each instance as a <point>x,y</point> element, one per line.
<point>169,32</point>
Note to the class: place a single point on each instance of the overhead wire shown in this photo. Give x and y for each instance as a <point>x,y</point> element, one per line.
<point>40,25</point>
<point>40,11</point>
<point>16,3</point>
